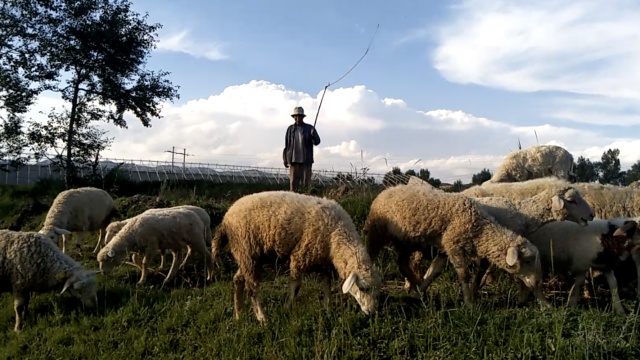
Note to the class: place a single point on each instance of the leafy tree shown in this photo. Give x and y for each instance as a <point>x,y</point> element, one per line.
<point>12,142</point>
<point>410,172</point>
<point>95,51</point>
<point>585,170</point>
<point>633,174</point>
<point>481,177</point>
<point>609,168</point>
<point>457,186</point>
<point>424,174</point>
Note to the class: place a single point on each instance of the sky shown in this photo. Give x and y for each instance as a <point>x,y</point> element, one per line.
<point>450,85</point>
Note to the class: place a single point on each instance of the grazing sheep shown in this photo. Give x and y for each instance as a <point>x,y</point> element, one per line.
<point>79,210</point>
<point>114,227</point>
<point>313,233</point>
<point>149,233</point>
<point>566,247</point>
<point>534,162</point>
<point>525,216</point>
<point>413,218</point>
<point>29,262</point>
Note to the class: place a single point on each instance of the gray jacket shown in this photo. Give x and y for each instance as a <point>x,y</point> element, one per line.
<point>308,139</point>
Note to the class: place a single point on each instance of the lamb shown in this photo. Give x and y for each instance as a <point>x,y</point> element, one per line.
<point>566,247</point>
<point>534,162</point>
<point>313,233</point>
<point>148,233</point>
<point>79,210</point>
<point>114,227</point>
<point>524,217</point>
<point>413,218</point>
<point>29,262</point>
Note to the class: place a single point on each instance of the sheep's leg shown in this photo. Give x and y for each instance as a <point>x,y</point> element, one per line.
<point>414,263</point>
<point>294,288</point>
<point>186,257</point>
<point>201,248</point>
<point>79,238</point>
<point>143,269</point>
<point>613,287</point>
<point>65,239</point>
<point>326,288</point>
<point>483,266</point>
<point>435,269</point>
<point>174,266</point>
<point>251,285</point>
<point>100,242</point>
<point>404,259</point>
<point>295,272</point>
<point>574,293</point>
<point>460,265</point>
<point>635,255</point>
<point>21,308</point>
<point>238,294</point>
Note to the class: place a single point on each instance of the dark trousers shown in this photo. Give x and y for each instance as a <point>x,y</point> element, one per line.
<point>299,175</point>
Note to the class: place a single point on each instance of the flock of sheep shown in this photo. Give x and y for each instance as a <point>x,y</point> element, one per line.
<point>528,220</point>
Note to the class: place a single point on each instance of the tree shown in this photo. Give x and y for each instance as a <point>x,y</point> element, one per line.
<point>584,170</point>
<point>633,174</point>
<point>609,168</point>
<point>457,186</point>
<point>12,142</point>
<point>97,50</point>
<point>481,177</point>
<point>394,177</point>
<point>410,172</point>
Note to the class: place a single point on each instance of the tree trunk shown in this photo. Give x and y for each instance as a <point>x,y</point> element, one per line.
<point>70,170</point>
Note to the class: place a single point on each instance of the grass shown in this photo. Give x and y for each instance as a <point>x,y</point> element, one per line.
<point>188,319</point>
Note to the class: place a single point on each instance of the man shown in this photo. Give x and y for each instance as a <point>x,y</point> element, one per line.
<point>298,150</point>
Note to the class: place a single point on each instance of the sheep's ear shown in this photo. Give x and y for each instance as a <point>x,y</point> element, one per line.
<point>557,203</point>
<point>68,283</point>
<point>60,231</point>
<point>628,229</point>
<point>346,286</point>
<point>512,256</point>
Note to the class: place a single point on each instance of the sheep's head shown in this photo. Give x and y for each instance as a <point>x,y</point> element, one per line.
<point>83,286</point>
<point>113,229</point>
<point>110,258</point>
<point>53,233</point>
<point>523,260</point>
<point>569,205</point>
<point>365,292</point>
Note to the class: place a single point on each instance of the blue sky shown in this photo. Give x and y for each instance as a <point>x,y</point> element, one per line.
<point>468,78</point>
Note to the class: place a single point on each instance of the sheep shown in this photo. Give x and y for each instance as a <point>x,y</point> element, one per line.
<point>534,162</point>
<point>525,216</point>
<point>607,201</point>
<point>79,210</point>
<point>566,247</point>
<point>30,262</point>
<point>312,232</point>
<point>149,232</point>
<point>114,227</point>
<point>413,218</point>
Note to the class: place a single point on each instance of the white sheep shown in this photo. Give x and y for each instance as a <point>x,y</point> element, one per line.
<point>534,162</point>
<point>312,232</point>
<point>413,218</point>
<point>566,247</point>
<point>29,262</point>
<point>114,227</point>
<point>79,210</point>
<point>523,217</point>
<point>152,232</point>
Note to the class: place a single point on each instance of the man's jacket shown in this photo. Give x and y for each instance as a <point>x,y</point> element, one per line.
<point>308,142</point>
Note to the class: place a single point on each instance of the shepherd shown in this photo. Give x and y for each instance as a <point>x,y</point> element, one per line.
<point>298,150</point>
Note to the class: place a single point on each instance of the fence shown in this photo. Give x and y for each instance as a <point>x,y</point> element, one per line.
<point>153,170</point>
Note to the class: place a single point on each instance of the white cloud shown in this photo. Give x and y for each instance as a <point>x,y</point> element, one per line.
<point>587,48</point>
<point>245,125</point>
<point>182,42</point>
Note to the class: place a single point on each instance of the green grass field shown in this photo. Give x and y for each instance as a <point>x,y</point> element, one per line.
<point>188,319</point>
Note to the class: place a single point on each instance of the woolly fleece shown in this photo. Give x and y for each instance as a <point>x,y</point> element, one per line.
<point>312,232</point>
<point>415,217</point>
<point>79,210</point>
<point>534,162</point>
<point>152,232</point>
<point>29,262</point>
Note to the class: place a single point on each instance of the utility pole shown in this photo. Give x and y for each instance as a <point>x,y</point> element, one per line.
<point>184,157</point>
